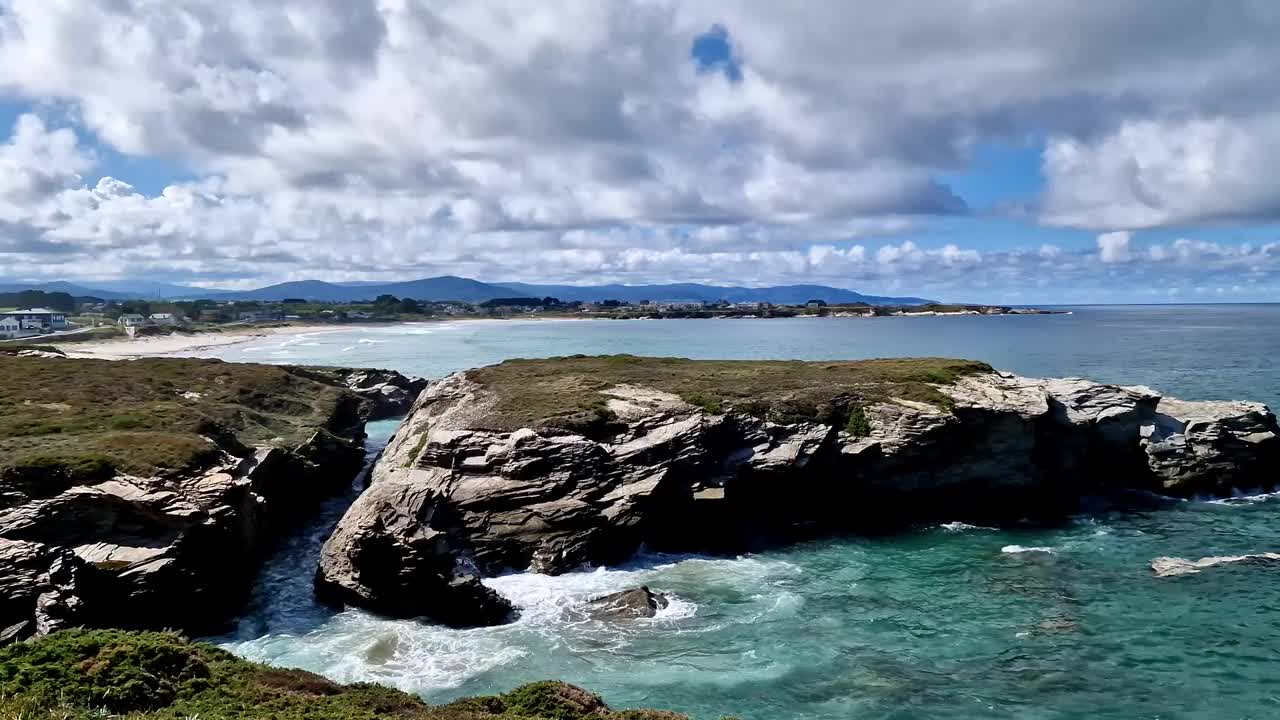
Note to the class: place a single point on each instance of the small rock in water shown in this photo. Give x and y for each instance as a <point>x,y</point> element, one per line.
<point>638,602</point>
<point>382,649</point>
<point>1170,566</point>
<point>1058,624</point>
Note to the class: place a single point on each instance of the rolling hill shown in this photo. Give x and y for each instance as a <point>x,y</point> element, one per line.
<point>691,292</point>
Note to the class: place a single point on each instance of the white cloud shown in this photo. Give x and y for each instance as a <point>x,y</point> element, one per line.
<point>578,139</point>
<point>1113,247</point>
<point>35,165</point>
<point>1154,173</point>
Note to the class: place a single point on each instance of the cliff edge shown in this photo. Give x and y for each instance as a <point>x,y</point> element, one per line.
<point>143,493</point>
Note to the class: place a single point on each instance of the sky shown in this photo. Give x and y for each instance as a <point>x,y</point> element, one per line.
<point>1015,151</point>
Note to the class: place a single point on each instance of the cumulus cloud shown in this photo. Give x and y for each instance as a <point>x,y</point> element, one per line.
<point>580,140</point>
<point>35,165</point>
<point>1151,173</point>
<point>1113,247</point>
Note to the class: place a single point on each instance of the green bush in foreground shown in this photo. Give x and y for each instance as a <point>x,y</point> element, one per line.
<point>80,674</point>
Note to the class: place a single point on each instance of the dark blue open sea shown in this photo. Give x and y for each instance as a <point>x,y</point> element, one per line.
<point>949,621</point>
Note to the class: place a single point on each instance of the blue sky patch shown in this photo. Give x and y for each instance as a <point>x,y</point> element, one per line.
<point>713,52</point>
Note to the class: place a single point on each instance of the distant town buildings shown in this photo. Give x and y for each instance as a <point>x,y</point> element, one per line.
<point>262,315</point>
<point>36,321</point>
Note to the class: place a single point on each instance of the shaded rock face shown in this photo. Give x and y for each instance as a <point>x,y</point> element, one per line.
<point>452,500</point>
<point>157,553</point>
<point>387,557</point>
<point>175,551</point>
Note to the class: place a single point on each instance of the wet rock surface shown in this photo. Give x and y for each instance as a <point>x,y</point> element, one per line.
<point>638,602</point>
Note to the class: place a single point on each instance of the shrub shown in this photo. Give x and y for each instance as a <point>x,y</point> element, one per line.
<point>857,425</point>
<point>117,670</point>
<point>83,674</point>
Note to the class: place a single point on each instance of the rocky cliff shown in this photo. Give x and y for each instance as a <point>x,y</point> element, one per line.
<point>553,464</point>
<point>143,493</point>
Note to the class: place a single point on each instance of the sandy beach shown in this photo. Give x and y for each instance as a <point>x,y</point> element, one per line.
<point>126,348</point>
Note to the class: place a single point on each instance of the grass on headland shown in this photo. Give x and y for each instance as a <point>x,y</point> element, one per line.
<point>81,674</point>
<point>80,420</point>
<point>567,392</point>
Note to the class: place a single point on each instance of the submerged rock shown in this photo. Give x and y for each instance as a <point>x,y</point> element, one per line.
<point>465,490</point>
<point>638,602</point>
<point>1170,566</point>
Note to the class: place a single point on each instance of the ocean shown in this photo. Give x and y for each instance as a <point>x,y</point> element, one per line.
<point>946,621</point>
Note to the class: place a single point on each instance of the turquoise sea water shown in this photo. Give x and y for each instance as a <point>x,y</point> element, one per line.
<point>949,621</point>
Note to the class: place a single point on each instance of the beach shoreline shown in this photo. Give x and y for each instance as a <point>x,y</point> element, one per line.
<point>178,343</point>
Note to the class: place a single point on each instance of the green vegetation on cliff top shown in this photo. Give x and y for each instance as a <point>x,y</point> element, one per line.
<point>568,392</point>
<point>80,420</point>
<point>79,674</point>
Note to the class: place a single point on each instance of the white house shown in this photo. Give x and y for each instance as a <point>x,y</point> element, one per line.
<point>39,319</point>
<point>164,319</point>
<point>12,328</point>
<point>132,320</point>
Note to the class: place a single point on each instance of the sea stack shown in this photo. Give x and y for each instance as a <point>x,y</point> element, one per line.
<point>554,464</point>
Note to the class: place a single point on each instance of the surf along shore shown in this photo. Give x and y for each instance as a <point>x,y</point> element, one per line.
<point>123,348</point>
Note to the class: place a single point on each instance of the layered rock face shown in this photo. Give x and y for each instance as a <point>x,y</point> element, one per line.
<point>452,500</point>
<point>386,393</point>
<point>177,549</point>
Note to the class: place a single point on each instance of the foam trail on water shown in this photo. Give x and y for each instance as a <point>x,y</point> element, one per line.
<point>1015,549</point>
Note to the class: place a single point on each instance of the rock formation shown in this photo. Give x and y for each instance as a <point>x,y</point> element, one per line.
<point>387,393</point>
<point>459,493</point>
<point>176,549</point>
<point>630,604</point>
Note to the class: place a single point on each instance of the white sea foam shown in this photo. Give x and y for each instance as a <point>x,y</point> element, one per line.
<point>554,626</point>
<point>370,341</point>
<point>1245,498</point>
<point>1015,549</point>
<point>963,527</point>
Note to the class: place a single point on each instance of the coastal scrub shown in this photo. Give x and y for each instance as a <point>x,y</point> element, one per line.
<point>83,674</point>
<point>569,392</point>
<point>65,422</point>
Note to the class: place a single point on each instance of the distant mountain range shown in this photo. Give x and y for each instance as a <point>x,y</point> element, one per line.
<point>780,294</point>
<point>460,289</point>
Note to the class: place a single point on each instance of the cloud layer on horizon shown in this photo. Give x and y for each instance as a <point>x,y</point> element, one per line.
<point>581,141</point>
